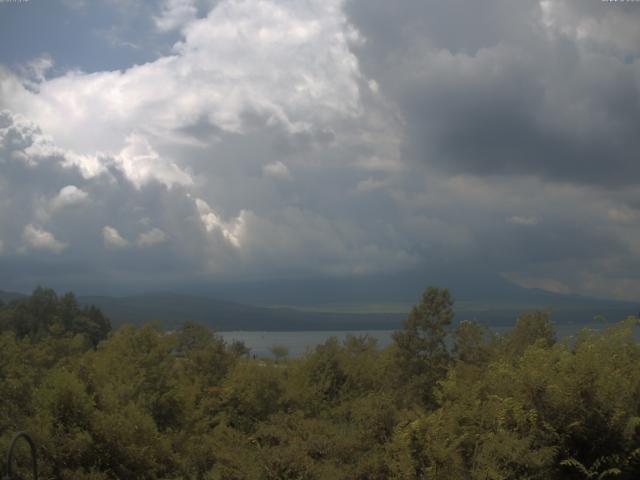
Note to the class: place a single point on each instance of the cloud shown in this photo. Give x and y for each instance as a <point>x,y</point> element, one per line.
<point>523,220</point>
<point>277,170</point>
<point>141,164</point>
<point>623,215</point>
<point>34,71</point>
<point>369,185</point>
<point>69,196</point>
<point>175,14</point>
<point>154,236</point>
<point>294,241</point>
<point>21,139</point>
<point>428,138</point>
<point>265,61</point>
<point>232,232</point>
<point>482,96</point>
<point>112,238</point>
<point>40,239</point>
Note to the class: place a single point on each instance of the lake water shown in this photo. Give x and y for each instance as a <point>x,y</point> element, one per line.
<point>299,343</point>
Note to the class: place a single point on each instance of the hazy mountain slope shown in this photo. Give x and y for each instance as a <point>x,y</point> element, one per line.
<point>7,297</point>
<point>171,310</point>
<point>407,287</point>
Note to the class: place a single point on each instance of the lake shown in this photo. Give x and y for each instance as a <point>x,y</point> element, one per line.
<point>300,342</point>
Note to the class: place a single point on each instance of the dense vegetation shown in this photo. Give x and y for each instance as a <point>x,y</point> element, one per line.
<point>443,402</point>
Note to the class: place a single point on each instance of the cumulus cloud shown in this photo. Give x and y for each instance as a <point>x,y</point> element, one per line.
<point>40,239</point>
<point>69,196</point>
<point>279,63</point>
<point>112,238</point>
<point>175,14</point>
<point>152,237</point>
<point>141,164</point>
<point>22,139</point>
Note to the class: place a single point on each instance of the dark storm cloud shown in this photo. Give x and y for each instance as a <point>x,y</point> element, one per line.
<point>498,87</point>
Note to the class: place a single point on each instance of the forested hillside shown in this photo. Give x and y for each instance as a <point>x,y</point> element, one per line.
<point>140,403</point>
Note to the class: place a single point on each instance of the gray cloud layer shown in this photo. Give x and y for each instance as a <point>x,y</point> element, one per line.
<point>549,89</point>
<point>359,138</point>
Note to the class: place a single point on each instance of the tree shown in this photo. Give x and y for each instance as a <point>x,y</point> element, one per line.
<point>421,352</point>
<point>67,310</point>
<point>252,393</point>
<point>91,322</point>
<point>44,314</point>
<point>193,336</point>
<point>280,352</point>
<point>532,327</point>
<point>471,342</point>
<point>238,348</point>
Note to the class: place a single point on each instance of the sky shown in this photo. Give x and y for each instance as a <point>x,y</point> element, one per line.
<point>166,144</point>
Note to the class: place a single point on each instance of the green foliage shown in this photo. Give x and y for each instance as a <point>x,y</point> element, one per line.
<point>43,314</point>
<point>532,327</point>
<point>472,343</point>
<point>253,392</point>
<point>142,403</point>
<point>239,349</point>
<point>421,353</point>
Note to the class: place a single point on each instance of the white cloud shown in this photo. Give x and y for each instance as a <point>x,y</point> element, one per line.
<point>34,71</point>
<point>285,63</point>
<point>277,170</point>
<point>154,236</point>
<point>232,232</point>
<point>69,196</point>
<point>137,160</point>
<point>40,239</point>
<point>141,164</point>
<point>27,143</point>
<point>175,14</point>
<point>112,238</point>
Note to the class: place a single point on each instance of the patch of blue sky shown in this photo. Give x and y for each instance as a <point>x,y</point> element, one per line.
<point>87,36</point>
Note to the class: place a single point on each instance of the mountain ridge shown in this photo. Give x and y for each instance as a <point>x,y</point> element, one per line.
<point>171,309</point>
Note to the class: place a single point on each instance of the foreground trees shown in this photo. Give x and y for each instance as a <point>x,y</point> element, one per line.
<point>421,354</point>
<point>443,402</point>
